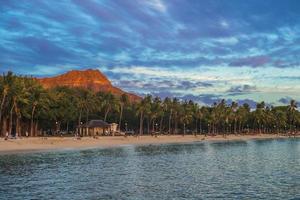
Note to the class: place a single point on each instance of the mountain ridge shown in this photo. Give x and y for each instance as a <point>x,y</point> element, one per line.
<point>92,79</point>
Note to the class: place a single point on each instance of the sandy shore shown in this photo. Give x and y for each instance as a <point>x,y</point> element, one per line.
<point>61,143</point>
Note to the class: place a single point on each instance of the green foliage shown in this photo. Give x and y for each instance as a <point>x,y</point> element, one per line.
<point>24,103</point>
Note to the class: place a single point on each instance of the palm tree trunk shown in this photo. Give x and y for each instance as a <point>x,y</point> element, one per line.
<point>31,123</point>
<point>87,115</point>
<point>79,122</point>
<point>196,126</point>
<point>235,125</point>
<point>106,113</point>
<point>240,126</point>
<point>120,119</point>
<point>1,106</point>
<point>4,126</point>
<point>175,125</point>
<point>148,125</point>
<point>79,118</point>
<point>10,120</point>
<point>141,123</point>
<point>160,124</point>
<point>200,124</point>
<point>170,119</point>
<point>36,128</point>
<point>18,126</point>
<point>153,129</point>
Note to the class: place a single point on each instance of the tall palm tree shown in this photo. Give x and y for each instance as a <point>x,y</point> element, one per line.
<point>80,104</point>
<point>204,114</point>
<point>161,113</point>
<point>143,107</point>
<point>6,83</point>
<point>243,112</point>
<point>186,115</point>
<point>156,111</point>
<point>36,96</point>
<point>176,109</point>
<point>123,101</point>
<point>168,107</point>
<point>234,107</point>
<point>198,116</point>
<point>292,113</point>
<point>18,95</point>
<point>259,115</point>
<point>110,103</point>
<point>222,112</point>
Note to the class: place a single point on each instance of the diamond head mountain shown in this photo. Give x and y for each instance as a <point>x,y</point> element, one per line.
<point>89,79</point>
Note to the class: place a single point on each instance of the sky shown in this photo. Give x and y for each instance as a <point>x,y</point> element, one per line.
<point>204,50</point>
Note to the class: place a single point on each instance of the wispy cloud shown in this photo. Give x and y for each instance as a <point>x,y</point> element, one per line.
<point>158,5</point>
<point>190,47</point>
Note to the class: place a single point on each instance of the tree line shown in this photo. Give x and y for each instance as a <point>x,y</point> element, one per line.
<point>26,108</point>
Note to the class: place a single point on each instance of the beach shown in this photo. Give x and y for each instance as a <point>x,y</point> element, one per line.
<point>36,144</point>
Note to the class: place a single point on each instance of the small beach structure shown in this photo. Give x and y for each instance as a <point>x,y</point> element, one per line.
<point>93,128</point>
<point>96,127</point>
<point>113,128</point>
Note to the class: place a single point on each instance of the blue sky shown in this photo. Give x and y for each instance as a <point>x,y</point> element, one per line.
<point>203,50</point>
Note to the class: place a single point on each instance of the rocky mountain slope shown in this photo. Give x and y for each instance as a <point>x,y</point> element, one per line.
<point>90,79</point>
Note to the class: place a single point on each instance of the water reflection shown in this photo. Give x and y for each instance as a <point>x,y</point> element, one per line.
<point>166,149</point>
<point>254,169</point>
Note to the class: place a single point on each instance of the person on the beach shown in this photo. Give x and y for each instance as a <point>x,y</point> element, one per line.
<point>26,133</point>
<point>6,135</point>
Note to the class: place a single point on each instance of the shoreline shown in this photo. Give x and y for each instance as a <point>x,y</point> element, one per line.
<point>40,144</point>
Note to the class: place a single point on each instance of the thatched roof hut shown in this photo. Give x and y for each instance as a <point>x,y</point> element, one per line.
<point>94,127</point>
<point>96,124</point>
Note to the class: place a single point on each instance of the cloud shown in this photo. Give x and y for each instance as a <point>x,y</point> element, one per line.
<point>157,5</point>
<point>184,47</point>
<point>157,84</point>
<point>240,102</point>
<point>255,61</point>
<point>204,99</point>
<point>241,89</point>
<point>287,100</point>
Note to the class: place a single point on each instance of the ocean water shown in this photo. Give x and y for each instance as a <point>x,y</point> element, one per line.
<point>253,169</point>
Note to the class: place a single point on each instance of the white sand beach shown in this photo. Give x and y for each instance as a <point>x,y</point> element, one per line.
<point>60,143</point>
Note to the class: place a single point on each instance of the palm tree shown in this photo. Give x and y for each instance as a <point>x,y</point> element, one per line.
<point>36,96</point>
<point>80,104</point>
<point>186,115</point>
<point>292,113</point>
<point>198,116</point>
<point>280,118</point>
<point>143,107</point>
<point>163,108</point>
<point>176,109</point>
<point>109,104</point>
<point>234,107</point>
<point>259,115</point>
<point>155,112</point>
<point>168,107</point>
<point>243,113</point>
<point>222,112</point>
<point>123,101</point>
<point>18,96</point>
<point>4,88</point>
<point>214,116</point>
<point>205,116</point>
